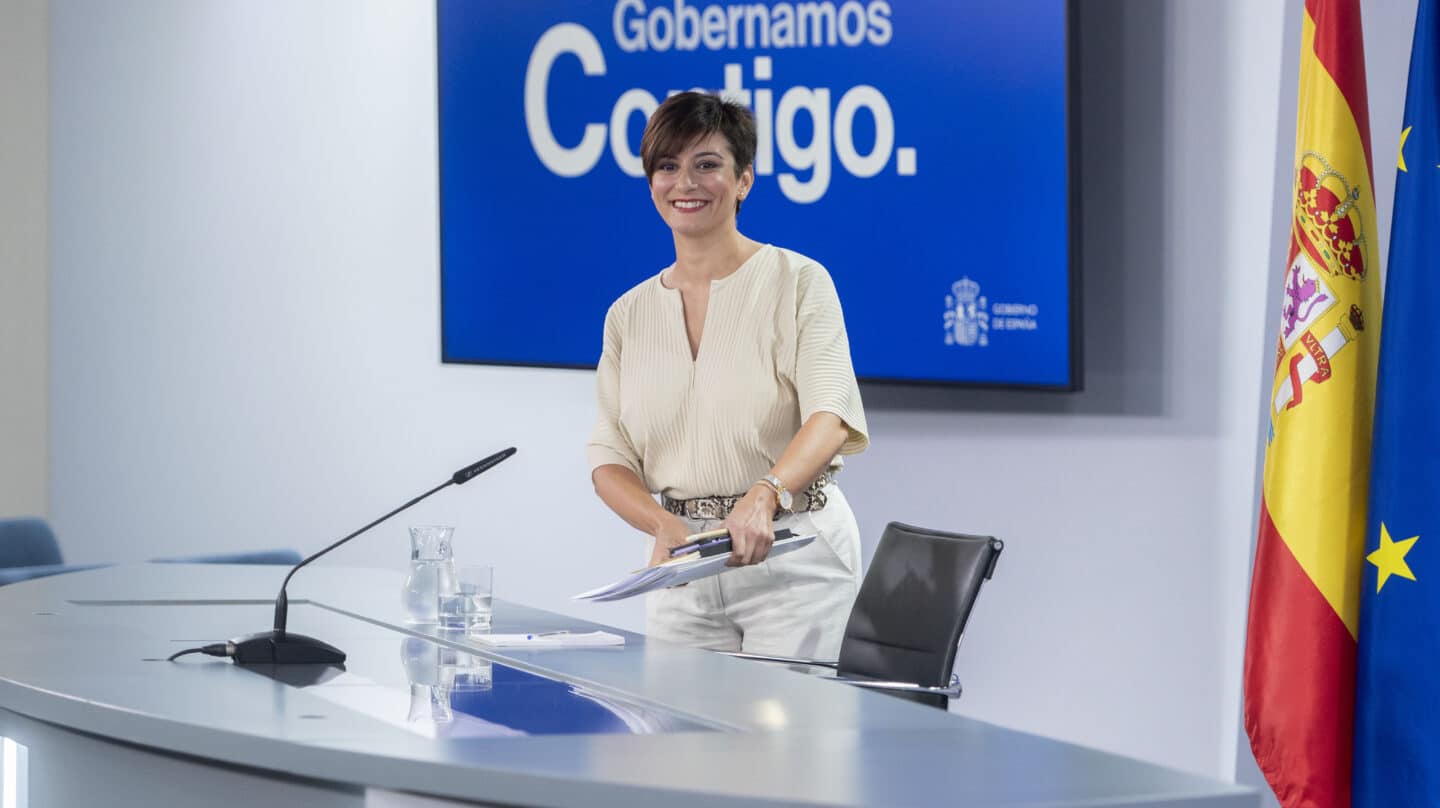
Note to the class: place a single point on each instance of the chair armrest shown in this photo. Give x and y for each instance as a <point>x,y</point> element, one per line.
<point>950,691</point>
<point>819,663</point>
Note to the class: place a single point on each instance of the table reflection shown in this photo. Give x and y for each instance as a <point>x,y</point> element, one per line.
<point>447,683</point>
<point>436,673</point>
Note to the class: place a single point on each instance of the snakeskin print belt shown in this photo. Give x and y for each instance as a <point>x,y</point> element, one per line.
<point>719,507</point>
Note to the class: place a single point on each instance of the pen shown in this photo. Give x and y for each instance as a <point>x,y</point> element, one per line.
<point>540,634</point>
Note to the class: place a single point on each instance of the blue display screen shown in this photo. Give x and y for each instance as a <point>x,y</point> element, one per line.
<point>918,149</point>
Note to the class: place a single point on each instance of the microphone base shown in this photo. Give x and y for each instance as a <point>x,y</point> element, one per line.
<point>276,648</point>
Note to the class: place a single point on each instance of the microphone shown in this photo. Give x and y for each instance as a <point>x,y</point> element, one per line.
<point>279,647</point>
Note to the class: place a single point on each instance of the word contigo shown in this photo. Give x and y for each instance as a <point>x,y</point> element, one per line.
<point>832,120</point>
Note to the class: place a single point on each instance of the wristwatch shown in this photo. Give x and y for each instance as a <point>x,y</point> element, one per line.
<point>783,496</point>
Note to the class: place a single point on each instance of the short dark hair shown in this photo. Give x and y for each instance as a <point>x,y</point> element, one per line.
<point>686,117</point>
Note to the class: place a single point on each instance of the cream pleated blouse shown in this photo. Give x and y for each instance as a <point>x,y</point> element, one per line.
<point>772,353</point>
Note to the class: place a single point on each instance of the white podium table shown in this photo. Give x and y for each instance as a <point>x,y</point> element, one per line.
<point>425,718</point>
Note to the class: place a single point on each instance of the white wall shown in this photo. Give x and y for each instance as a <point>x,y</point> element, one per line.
<point>1118,615</point>
<point>245,347</point>
<point>24,82</point>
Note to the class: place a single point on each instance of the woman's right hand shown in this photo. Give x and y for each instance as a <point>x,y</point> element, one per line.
<point>672,533</point>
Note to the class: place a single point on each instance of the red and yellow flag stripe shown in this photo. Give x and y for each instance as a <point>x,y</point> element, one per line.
<point>1305,599</point>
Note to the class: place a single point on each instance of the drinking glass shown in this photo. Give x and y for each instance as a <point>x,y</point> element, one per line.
<point>468,604</point>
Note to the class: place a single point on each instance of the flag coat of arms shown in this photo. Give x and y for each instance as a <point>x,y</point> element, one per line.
<point>1300,650</point>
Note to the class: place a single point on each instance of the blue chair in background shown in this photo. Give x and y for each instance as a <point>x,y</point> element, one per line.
<point>28,542</point>
<point>28,549</point>
<point>288,558</point>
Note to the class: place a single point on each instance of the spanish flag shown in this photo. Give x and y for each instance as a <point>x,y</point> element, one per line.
<point>1300,653</point>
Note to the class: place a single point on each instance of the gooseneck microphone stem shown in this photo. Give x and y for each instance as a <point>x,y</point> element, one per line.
<point>279,647</point>
<point>282,603</point>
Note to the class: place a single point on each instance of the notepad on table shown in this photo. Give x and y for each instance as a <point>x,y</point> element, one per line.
<point>589,639</point>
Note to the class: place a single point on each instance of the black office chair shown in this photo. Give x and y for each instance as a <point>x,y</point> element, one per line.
<point>905,626</point>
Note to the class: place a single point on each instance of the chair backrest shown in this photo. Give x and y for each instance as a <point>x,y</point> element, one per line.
<point>27,542</point>
<point>913,604</point>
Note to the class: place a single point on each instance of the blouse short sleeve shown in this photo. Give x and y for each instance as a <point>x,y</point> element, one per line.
<point>608,442</point>
<point>824,376</point>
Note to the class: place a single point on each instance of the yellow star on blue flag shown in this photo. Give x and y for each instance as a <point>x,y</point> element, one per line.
<point>1390,558</point>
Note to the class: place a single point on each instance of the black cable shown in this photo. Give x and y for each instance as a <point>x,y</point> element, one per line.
<point>214,649</point>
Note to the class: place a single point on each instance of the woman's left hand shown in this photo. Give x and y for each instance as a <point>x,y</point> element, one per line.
<point>749,523</point>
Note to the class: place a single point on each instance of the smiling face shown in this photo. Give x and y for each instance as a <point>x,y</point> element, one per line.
<point>696,191</point>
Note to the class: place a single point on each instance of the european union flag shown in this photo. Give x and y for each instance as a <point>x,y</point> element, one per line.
<point>1397,700</point>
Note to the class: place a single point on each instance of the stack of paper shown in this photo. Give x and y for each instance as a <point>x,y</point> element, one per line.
<point>679,571</point>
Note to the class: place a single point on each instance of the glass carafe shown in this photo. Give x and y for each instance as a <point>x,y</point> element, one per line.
<point>432,571</point>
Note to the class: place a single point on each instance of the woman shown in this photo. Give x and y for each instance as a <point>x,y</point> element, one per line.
<point>725,385</point>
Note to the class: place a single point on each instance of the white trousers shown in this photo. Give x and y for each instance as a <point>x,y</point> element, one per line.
<point>793,605</point>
